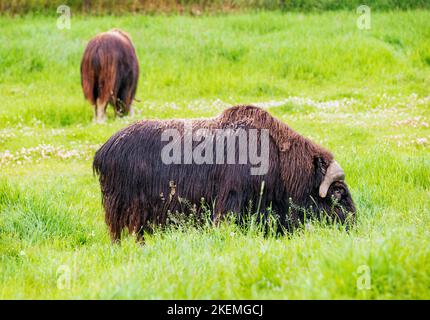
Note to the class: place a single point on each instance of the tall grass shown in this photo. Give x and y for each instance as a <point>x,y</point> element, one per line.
<point>201,6</point>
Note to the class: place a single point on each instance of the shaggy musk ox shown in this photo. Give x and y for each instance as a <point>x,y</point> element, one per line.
<point>139,190</point>
<point>109,73</point>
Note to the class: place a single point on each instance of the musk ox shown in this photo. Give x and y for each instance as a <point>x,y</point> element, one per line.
<point>109,73</point>
<point>142,182</point>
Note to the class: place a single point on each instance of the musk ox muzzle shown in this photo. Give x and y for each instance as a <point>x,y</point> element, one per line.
<point>242,162</point>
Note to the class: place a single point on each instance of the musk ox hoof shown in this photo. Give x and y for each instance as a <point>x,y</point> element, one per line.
<point>131,112</point>
<point>100,119</point>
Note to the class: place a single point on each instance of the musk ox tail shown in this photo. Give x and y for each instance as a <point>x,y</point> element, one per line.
<point>98,73</point>
<point>102,167</point>
<point>118,197</point>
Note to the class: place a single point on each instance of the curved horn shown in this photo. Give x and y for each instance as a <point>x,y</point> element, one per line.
<point>334,173</point>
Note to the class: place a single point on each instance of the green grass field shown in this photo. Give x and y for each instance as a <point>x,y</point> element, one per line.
<point>364,94</point>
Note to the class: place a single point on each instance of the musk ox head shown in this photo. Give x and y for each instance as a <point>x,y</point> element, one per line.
<point>333,198</point>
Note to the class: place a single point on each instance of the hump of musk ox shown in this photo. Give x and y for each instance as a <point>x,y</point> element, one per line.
<point>109,73</point>
<point>139,189</point>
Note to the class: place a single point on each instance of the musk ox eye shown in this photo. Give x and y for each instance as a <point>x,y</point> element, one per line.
<point>338,193</point>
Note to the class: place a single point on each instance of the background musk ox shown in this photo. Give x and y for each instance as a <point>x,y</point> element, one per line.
<point>109,73</point>
<point>139,190</point>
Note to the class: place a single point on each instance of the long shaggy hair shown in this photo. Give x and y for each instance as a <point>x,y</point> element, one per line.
<point>110,72</point>
<point>139,190</point>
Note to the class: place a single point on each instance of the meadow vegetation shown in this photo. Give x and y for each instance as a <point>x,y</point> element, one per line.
<point>199,7</point>
<point>364,94</point>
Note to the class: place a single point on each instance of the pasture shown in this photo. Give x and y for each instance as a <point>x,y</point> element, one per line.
<point>363,94</point>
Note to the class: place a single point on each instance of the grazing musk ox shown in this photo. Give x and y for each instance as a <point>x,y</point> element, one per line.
<point>139,189</point>
<point>109,73</point>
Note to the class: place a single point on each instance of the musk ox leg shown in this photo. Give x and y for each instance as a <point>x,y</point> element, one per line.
<point>227,204</point>
<point>140,236</point>
<point>122,109</point>
<point>115,233</point>
<point>100,111</point>
<point>136,222</point>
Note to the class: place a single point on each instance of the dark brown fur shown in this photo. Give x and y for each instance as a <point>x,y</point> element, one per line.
<point>110,72</point>
<point>135,182</point>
